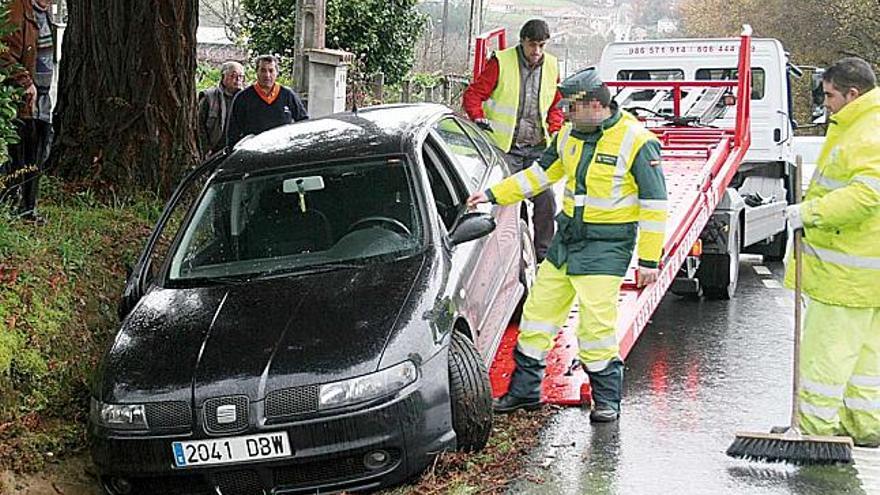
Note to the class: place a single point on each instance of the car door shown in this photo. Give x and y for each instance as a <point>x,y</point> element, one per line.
<point>485,282</point>
<point>155,252</point>
<point>509,220</point>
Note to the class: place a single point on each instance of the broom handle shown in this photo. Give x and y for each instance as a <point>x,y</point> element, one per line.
<point>798,272</point>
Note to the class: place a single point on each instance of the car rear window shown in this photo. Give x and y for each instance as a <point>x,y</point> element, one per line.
<point>359,212</point>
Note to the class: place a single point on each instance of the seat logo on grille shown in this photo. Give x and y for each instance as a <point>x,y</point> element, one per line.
<point>226,414</point>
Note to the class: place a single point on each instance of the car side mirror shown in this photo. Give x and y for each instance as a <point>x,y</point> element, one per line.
<point>472,226</point>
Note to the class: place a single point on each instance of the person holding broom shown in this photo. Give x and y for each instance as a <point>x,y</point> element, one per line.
<point>840,218</point>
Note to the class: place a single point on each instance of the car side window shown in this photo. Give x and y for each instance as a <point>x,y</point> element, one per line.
<point>189,194</point>
<point>449,196</point>
<point>486,148</point>
<point>467,156</point>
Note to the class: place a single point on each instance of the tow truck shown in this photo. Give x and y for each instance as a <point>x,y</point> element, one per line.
<point>722,111</point>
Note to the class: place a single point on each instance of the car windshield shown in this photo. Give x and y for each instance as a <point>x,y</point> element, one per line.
<point>292,221</point>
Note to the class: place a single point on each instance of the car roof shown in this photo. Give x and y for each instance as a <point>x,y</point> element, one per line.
<point>372,131</point>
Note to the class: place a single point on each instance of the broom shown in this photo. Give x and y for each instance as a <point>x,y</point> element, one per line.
<point>789,445</point>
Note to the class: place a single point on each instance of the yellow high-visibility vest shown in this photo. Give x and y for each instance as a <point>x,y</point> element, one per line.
<point>612,194</point>
<point>502,106</point>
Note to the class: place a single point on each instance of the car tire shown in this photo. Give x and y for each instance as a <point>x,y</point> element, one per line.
<point>470,395</point>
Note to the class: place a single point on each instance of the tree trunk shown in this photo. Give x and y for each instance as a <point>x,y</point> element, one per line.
<point>126,109</point>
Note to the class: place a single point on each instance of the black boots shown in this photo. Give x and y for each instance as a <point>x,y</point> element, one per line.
<point>607,387</point>
<point>525,388</point>
<point>525,385</point>
<point>509,403</point>
<point>603,414</point>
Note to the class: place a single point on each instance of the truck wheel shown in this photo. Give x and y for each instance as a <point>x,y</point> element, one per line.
<point>719,273</point>
<point>470,395</point>
<point>689,295</point>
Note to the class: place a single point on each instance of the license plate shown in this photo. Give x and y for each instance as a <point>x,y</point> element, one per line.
<point>231,449</point>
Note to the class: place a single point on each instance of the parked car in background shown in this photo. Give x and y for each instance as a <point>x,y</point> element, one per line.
<point>314,312</point>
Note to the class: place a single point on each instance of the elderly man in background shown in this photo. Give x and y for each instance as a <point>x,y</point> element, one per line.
<point>215,106</point>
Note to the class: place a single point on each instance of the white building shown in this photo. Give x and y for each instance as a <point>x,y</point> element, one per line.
<point>666,26</point>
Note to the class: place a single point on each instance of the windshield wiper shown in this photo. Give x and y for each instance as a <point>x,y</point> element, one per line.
<point>222,280</point>
<point>246,278</point>
<point>317,268</point>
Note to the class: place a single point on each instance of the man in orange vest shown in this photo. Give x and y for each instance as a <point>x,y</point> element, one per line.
<point>264,105</point>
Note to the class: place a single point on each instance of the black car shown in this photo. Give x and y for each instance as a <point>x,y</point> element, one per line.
<point>314,312</point>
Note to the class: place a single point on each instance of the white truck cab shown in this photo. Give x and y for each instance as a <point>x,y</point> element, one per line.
<point>709,59</point>
<point>754,202</point>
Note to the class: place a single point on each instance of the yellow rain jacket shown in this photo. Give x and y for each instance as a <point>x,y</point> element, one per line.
<point>841,211</point>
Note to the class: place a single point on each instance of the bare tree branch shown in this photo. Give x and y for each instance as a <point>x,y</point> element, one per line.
<point>228,11</point>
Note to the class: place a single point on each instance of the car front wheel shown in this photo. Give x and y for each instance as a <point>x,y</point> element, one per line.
<point>470,395</point>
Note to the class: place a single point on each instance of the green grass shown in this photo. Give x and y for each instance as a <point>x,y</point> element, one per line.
<point>58,288</point>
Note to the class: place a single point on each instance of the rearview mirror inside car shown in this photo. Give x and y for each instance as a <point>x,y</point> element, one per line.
<point>472,226</point>
<point>303,184</point>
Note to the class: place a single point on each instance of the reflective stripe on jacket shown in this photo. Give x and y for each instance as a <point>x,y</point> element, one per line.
<point>502,108</point>
<point>841,210</point>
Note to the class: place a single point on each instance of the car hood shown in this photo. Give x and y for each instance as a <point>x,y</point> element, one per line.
<point>252,338</point>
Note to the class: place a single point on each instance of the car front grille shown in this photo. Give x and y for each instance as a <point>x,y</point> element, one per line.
<point>330,470</point>
<point>241,414</point>
<point>292,402</point>
<point>244,482</point>
<point>172,414</point>
<point>249,482</point>
<point>171,485</point>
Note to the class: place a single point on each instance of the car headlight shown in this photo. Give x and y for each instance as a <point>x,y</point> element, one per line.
<point>119,416</point>
<point>367,387</point>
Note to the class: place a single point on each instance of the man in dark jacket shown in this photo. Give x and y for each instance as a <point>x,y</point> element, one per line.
<point>22,171</point>
<point>214,109</point>
<point>264,105</point>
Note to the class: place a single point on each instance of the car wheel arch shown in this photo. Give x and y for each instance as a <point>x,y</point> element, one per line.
<point>461,326</point>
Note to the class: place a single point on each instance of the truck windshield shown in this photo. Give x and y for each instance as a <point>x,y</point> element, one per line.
<point>636,95</point>
<point>731,74</point>
<point>291,221</point>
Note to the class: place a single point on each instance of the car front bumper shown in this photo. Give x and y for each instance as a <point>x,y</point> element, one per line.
<point>328,451</point>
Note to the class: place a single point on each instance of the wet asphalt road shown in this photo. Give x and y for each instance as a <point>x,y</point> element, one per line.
<point>701,371</point>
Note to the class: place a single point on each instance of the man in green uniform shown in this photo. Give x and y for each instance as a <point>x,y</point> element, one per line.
<point>614,203</point>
